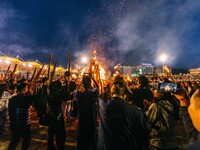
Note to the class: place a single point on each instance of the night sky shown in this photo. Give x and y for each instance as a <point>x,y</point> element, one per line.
<point>129,32</point>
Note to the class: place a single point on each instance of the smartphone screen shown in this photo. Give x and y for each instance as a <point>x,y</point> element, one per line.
<point>167,87</point>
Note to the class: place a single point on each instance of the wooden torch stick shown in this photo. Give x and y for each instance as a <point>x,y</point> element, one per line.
<point>6,73</point>
<point>27,75</point>
<point>53,72</point>
<point>39,73</point>
<point>49,65</point>
<point>69,62</point>
<point>33,74</point>
<point>13,72</point>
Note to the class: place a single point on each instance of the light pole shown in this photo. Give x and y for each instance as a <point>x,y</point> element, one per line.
<point>163,57</point>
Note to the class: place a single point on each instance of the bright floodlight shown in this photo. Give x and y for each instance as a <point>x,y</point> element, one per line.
<point>163,57</point>
<point>30,65</point>
<point>7,62</point>
<point>84,60</point>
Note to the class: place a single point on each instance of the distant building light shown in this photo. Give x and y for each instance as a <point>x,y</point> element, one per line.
<point>30,65</point>
<point>24,64</point>
<point>134,75</point>
<point>140,71</point>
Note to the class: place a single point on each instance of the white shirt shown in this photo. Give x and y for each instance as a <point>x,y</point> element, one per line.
<point>4,100</point>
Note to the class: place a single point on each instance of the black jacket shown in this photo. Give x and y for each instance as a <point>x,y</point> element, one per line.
<point>122,126</point>
<point>18,108</point>
<point>163,119</point>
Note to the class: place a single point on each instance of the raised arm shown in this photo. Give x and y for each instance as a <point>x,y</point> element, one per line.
<point>194,109</point>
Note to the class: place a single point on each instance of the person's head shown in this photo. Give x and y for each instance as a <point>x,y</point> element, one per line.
<point>143,81</point>
<point>55,87</point>
<point>86,81</point>
<point>12,87</point>
<point>23,80</point>
<point>158,95</point>
<point>189,84</point>
<point>166,80</point>
<point>12,82</point>
<point>22,88</point>
<point>45,80</point>
<point>118,87</point>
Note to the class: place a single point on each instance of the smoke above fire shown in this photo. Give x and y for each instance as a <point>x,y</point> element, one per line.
<point>122,31</point>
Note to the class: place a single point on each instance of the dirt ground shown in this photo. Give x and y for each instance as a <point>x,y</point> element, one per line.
<point>39,135</point>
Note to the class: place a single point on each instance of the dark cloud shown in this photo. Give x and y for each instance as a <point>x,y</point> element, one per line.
<point>122,31</point>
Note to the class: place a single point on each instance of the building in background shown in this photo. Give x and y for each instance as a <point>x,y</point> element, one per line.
<point>143,69</point>
<point>195,71</point>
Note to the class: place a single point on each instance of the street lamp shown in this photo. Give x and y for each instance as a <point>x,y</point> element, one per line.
<point>163,57</point>
<point>84,60</point>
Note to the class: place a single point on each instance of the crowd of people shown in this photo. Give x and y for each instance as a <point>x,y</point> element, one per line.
<point>120,115</point>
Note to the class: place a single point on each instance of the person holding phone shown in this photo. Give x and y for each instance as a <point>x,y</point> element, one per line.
<point>163,116</point>
<point>190,113</point>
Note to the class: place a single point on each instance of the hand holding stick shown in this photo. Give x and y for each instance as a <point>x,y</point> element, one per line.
<point>167,70</point>
<point>39,73</point>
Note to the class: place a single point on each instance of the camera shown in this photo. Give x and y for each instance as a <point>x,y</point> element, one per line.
<point>169,87</point>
